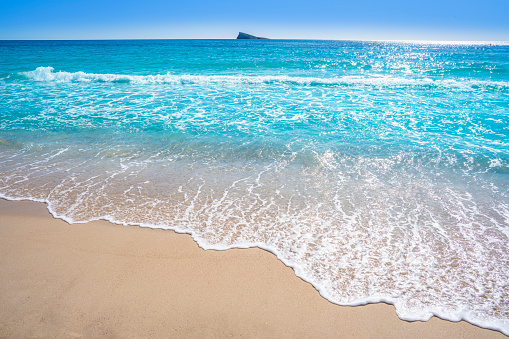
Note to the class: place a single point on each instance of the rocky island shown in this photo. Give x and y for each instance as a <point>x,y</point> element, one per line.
<point>247,36</point>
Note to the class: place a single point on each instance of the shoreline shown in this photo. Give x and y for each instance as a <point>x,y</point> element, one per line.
<point>102,279</point>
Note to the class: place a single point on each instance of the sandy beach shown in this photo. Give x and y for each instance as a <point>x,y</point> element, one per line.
<point>104,280</point>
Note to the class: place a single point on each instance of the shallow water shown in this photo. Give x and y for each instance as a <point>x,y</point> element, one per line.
<point>378,171</point>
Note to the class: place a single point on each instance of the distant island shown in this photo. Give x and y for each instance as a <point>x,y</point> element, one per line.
<point>247,36</point>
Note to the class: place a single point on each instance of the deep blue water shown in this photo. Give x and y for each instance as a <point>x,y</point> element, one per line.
<point>378,170</point>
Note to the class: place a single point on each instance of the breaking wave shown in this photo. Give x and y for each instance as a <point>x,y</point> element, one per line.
<point>47,74</point>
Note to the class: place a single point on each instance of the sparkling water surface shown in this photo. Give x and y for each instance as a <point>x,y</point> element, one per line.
<point>379,171</point>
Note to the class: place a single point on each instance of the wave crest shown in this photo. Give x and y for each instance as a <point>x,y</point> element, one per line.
<point>47,74</point>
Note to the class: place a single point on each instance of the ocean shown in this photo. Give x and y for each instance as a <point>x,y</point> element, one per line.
<point>379,171</point>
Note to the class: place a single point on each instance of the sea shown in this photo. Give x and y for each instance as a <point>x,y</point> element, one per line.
<point>378,171</point>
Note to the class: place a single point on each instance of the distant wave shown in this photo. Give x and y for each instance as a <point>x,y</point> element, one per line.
<point>47,74</point>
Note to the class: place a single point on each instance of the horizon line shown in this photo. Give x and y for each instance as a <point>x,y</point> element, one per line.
<point>455,41</point>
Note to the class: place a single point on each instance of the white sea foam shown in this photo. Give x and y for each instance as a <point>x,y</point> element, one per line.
<point>47,74</point>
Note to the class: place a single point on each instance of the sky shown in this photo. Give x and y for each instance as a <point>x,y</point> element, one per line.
<point>443,20</point>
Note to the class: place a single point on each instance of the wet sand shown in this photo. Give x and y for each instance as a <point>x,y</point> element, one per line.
<point>104,280</point>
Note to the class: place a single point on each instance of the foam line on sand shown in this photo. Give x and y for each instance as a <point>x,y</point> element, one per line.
<point>99,279</point>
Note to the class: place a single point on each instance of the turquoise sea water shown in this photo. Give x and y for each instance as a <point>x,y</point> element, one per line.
<point>379,171</point>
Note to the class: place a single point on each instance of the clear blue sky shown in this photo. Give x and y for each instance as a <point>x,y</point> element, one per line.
<point>286,19</point>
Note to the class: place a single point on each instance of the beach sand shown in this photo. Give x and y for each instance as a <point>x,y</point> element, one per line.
<point>104,280</point>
